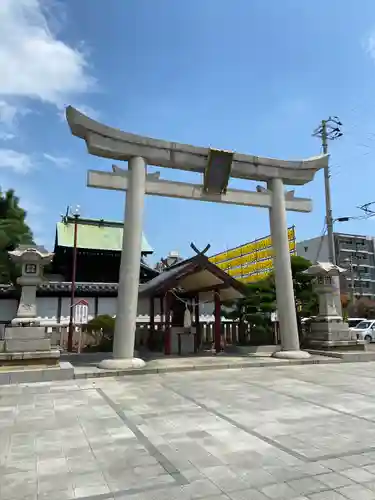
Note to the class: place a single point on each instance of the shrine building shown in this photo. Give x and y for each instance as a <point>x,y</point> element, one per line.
<point>99,245</point>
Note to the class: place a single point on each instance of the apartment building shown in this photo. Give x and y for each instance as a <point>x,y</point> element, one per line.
<point>354,252</point>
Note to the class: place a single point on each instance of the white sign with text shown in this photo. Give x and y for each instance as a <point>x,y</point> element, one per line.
<point>81,312</point>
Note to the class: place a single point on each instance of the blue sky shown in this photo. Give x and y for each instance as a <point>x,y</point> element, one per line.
<point>254,76</point>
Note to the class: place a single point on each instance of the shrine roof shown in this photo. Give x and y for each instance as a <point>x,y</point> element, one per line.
<point>61,287</point>
<point>194,275</point>
<point>94,234</point>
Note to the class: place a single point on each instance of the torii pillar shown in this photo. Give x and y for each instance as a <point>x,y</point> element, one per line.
<point>285,299</point>
<point>127,295</point>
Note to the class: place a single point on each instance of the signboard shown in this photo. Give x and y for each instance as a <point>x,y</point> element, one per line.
<point>252,261</point>
<point>81,312</point>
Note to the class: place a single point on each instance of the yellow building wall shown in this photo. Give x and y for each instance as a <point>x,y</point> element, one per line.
<point>252,261</point>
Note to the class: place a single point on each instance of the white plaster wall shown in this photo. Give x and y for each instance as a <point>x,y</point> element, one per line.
<point>144,306</point>
<point>206,308</point>
<point>8,309</point>
<point>107,305</point>
<point>156,307</point>
<point>47,307</point>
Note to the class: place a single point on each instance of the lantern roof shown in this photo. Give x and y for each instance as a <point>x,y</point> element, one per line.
<point>325,269</point>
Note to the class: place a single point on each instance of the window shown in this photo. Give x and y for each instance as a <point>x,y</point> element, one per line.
<point>30,269</point>
<point>346,242</point>
<point>363,325</point>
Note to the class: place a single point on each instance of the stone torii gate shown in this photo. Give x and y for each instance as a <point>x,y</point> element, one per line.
<point>216,167</point>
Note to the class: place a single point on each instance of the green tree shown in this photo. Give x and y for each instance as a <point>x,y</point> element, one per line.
<point>254,309</point>
<point>102,328</point>
<point>14,231</point>
<point>306,300</point>
<point>260,302</point>
<point>362,308</point>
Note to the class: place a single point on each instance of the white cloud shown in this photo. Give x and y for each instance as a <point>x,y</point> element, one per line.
<point>58,161</point>
<point>20,163</point>
<point>89,111</point>
<point>6,136</point>
<point>34,63</point>
<point>7,114</point>
<point>32,208</point>
<point>369,45</point>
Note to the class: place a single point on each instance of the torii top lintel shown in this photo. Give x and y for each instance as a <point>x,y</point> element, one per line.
<point>108,142</point>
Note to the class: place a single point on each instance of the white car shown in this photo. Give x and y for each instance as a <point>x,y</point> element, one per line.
<point>353,322</point>
<point>365,330</point>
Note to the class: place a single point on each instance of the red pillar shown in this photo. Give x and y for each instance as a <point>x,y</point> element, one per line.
<point>167,334</point>
<point>162,310</point>
<point>217,321</point>
<point>198,334</point>
<point>151,333</point>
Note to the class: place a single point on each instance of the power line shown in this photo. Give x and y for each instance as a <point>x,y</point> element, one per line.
<point>369,212</point>
<point>329,130</point>
<point>366,208</point>
<point>322,234</point>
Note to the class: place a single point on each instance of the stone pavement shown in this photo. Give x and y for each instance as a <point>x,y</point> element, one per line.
<point>276,433</point>
<point>85,364</point>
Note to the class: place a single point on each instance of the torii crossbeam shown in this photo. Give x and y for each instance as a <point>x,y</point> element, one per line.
<point>119,179</point>
<point>216,167</point>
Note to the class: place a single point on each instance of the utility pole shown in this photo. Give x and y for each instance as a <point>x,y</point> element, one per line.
<point>329,130</point>
<point>71,326</point>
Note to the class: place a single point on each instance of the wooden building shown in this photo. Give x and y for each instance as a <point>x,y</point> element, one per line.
<point>184,288</point>
<point>99,244</point>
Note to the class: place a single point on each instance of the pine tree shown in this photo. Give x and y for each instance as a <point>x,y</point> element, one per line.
<point>260,302</point>
<point>255,309</point>
<point>14,231</point>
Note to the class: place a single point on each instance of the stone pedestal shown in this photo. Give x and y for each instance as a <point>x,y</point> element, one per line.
<point>26,338</point>
<point>182,341</point>
<point>332,333</point>
<point>25,341</point>
<point>328,330</point>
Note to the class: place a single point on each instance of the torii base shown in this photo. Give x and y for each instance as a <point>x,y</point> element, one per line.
<point>291,355</point>
<point>121,364</point>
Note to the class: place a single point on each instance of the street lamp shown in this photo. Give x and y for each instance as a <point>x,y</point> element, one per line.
<point>75,215</point>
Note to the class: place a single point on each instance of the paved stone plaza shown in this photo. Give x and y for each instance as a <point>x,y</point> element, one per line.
<point>259,433</point>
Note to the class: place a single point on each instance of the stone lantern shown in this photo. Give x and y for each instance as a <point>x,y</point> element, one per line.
<point>32,260</point>
<point>327,329</point>
<point>25,335</point>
